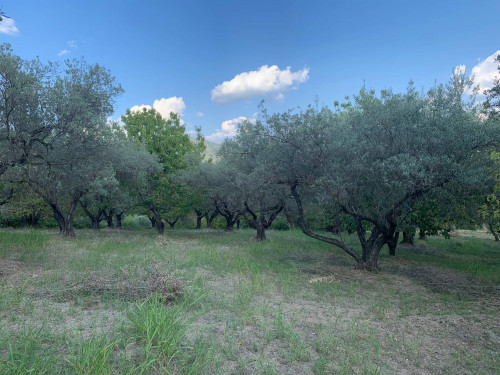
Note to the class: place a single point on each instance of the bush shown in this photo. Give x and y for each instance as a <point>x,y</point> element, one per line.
<point>136,222</point>
<point>280,224</point>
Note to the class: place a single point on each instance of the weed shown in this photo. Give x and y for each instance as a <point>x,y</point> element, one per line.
<point>162,328</point>
<point>93,356</point>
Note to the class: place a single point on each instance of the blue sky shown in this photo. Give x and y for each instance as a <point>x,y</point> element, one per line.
<point>213,61</point>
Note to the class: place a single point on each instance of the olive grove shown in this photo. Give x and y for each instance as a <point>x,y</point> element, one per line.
<point>375,159</point>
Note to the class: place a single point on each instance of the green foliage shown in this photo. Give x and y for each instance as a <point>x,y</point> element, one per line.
<point>164,138</point>
<point>162,328</point>
<point>28,353</point>
<point>93,356</point>
<point>280,224</point>
<point>136,222</point>
<point>163,194</point>
<point>376,158</point>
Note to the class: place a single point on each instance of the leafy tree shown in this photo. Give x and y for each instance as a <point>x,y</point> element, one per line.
<point>218,183</point>
<point>69,158</point>
<point>379,155</point>
<point>166,139</point>
<point>254,181</point>
<point>490,207</point>
<point>26,108</point>
<point>24,203</point>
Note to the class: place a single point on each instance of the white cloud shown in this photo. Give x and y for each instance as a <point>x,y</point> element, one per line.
<point>72,44</point>
<point>485,71</point>
<point>63,52</point>
<point>229,129</point>
<point>200,114</point>
<point>164,106</point>
<point>173,104</point>
<point>268,80</point>
<point>8,26</point>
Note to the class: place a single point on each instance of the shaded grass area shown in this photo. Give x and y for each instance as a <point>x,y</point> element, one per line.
<point>478,258</point>
<point>210,302</point>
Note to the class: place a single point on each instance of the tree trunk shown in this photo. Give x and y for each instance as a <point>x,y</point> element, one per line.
<point>308,232</point>
<point>199,215</point>
<point>393,243</point>
<point>94,219</point>
<point>65,221</point>
<point>210,218</point>
<point>95,223</point>
<point>492,231</point>
<point>370,247</point>
<point>65,224</point>
<point>408,238</point>
<point>68,230</point>
<point>172,223</point>
<point>261,232</point>
<point>238,224</point>
<point>153,221</point>
<point>371,254</point>
<point>119,218</point>
<point>58,219</point>
<point>109,219</point>
<point>160,226</point>
<point>229,224</point>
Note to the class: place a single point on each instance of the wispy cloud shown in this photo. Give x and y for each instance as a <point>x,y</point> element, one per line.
<point>8,26</point>
<point>200,114</point>
<point>164,106</point>
<point>72,44</point>
<point>268,80</point>
<point>228,128</point>
<point>63,52</point>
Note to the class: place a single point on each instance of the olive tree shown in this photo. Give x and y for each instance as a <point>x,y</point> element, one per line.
<point>69,157</point>
<point>25,108</point>
<point>378,155</point>
<point>254,181</point>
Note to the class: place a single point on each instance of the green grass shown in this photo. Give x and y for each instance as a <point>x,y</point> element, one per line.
<point>83,306</point>
<point>478,258</point>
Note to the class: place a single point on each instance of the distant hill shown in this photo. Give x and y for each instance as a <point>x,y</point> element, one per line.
<point>211,150</point>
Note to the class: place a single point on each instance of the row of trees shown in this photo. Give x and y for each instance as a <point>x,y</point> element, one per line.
<point>374,165</point>
<point>56,144</point>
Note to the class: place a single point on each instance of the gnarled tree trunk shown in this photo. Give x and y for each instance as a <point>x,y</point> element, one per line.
<point>172,223</point>
<point>153,221</point>
<point>119,218</point>
<point>199,215</point>
<point>258,220</point>
<point>210,217</point>
<point>65,221</point>
<point>408,238</point>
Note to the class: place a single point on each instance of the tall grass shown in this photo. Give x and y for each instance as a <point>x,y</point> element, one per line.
<point>162,329</point>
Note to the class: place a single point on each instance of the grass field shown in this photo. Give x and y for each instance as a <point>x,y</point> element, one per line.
<point>210,302</point>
